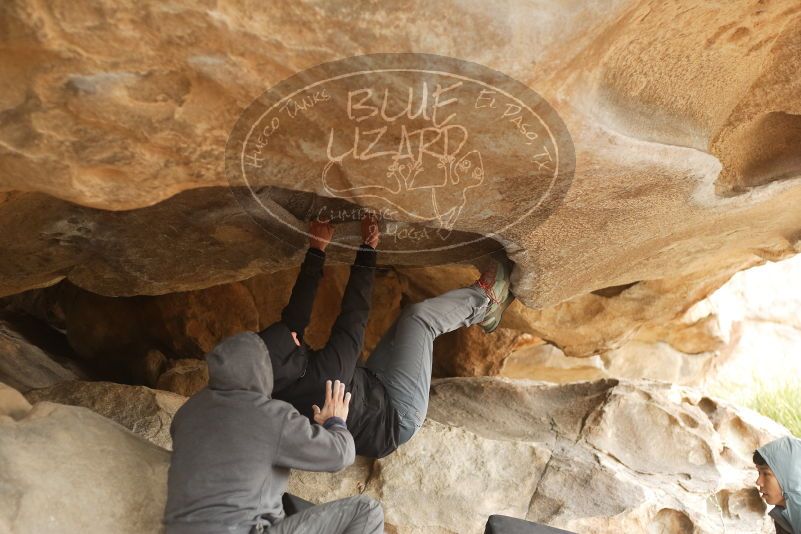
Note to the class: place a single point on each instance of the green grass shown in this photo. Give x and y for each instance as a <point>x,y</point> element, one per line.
<point>779,401</point>
<point>782,403</point>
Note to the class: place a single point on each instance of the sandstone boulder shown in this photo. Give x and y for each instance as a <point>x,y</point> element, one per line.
<point>685,146</point>
<point>740,339</point>
<point>472,352</point>
<point>24,365</point>
<point>12,403</point>
<point>68,469</point>
<point>684,121</point>
<point>591,457</point>
<point>147,370</point>
<point>548,363</point>
<point>185,377</point>
<point>601,457</point>
<point>145,412</point>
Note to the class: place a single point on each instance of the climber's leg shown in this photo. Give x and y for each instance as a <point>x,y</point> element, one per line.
<point>404,356</point>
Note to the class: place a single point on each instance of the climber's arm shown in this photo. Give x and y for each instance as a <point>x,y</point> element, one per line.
<point>347,334</point>
<point>297,313</point>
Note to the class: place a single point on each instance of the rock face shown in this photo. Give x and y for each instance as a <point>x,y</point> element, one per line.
<point>599,457</point>
<point>742,337</point>
<point>594,457</point>
<point>141,410</point>
<point>118,222</point>
<point>13,404</point>
<point>185,377</point>
<point>25,366</point>
<point>472,352</point>
<point>67,468</point>
<point>685,140</point>
<point>687,167</point>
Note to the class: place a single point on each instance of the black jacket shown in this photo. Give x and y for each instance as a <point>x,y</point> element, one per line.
<point>302,372</point>
<point>233,446</point>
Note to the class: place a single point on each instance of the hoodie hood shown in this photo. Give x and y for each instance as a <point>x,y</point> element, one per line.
<point>241,362</point>
<point>784,459</point>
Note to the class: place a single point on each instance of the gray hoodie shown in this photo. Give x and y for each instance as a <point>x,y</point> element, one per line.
<point>784,459</point>
<point>233,446</point>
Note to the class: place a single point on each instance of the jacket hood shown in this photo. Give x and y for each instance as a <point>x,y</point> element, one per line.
<point>241,362</point>
<point>784,459</point>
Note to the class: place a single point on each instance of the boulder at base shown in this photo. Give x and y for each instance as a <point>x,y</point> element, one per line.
<point>67,469</point>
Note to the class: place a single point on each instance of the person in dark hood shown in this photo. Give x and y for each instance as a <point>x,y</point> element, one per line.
<point>779,482</point>
<point>390,391</point>
<point>233,447</point>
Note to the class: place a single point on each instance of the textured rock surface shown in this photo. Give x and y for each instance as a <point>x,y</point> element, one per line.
<point>150,368</point>
<point>548,363</point>
<point>472,352</point>
<point>454,490</point>
<point>13,404</point>
<point>184,377</point>
<point>25,366</point>
<point>744,336</point>
<point>601,457</point>
<point>131,338</point>
<point>592,457</point>
<point>146,412</point>
<point>684,118</point>
<point>65,468</point>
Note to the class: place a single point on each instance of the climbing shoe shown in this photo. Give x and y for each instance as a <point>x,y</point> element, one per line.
<point>495,283</point>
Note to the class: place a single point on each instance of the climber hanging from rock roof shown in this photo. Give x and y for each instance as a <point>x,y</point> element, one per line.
<point>390,392</point>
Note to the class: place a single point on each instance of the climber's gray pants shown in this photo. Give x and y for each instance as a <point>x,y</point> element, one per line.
<point>353,515</point>
<point>404,357</point>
